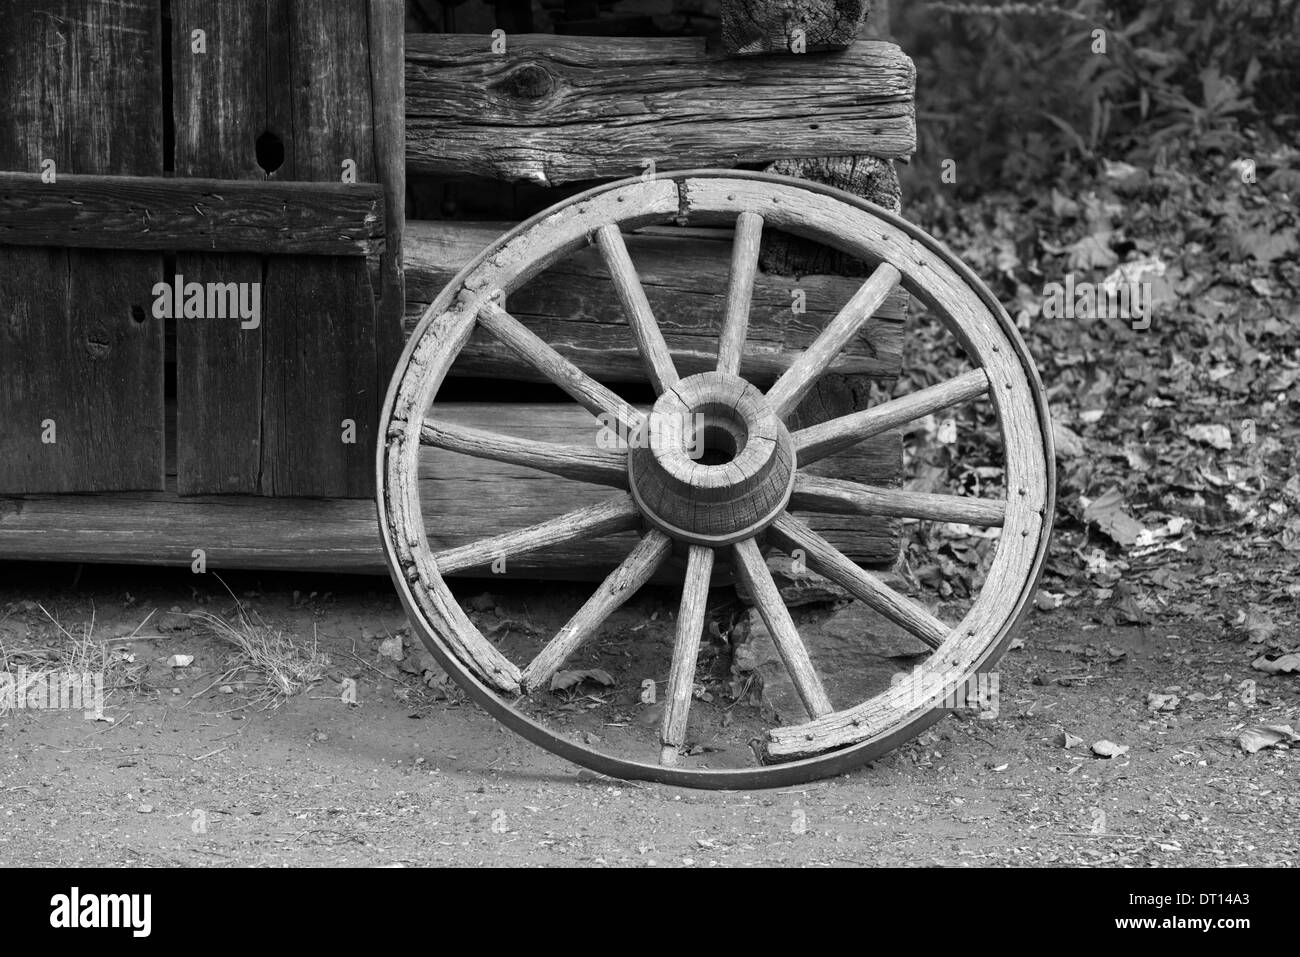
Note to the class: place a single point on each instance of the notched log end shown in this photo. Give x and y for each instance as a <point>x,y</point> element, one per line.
<point>752,27</point>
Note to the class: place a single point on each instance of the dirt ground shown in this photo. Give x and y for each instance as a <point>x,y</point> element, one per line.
<point>187,773</point>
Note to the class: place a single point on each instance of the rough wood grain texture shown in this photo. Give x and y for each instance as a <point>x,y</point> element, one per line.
<point>386,20</point>
<point>530,347</point>
<point>686,648</point>
<point>790,26</point>
<point>740,292</point>
<point>622,583</point>
<point>319,333</point>
<point>320,380</point>
<point>867,177</point>
<point>581,463</point>
<point>685,273</point>
<point>790,534</point>
<point>564,109</point>
<point>219,387</point>
<point>753,572</point>
<point>590,521</point>
<point>810,364</point>
<point>219,105</point>
<point>286,73</point>
<point>461,500</point>
<point>826,438</point>
<point>462,491</point>
<point>162,213</point>
<point>816,442</point>
<point>636,308</point>
<point>985,332</point>
<point>837,495</point>
<point>78,346</point>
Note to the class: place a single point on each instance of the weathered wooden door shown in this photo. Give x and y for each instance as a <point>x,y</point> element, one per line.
<point>81,357</point>
<point>271,354</point>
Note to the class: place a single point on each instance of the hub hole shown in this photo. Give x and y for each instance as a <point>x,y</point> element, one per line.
<point>722,436</point>
<point>719,446</point>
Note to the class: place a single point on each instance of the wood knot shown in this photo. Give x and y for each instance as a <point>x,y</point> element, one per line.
<point>528,82</point>
<point>98,342</point>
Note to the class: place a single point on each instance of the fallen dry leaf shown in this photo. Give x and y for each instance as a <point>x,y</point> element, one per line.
<point>563,680</point>
<point>1287,664</point>
<point>1107,511</point>
<point>1216,436</point>
<point>1162,702</point>
<point>1109,749</point>
<point>1263,736</point>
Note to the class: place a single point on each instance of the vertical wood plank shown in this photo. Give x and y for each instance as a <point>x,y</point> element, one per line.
<point>264,410</point>
<point>82,85</point>
<point>319,317</point>
<point>388,107</point>
<point>219,110</point>
<point>320,370</point>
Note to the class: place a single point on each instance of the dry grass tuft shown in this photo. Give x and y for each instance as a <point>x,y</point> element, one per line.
<point>280,667</point>
<point>79,653</point>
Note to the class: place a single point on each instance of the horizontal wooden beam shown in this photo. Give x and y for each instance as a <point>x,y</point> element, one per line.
<point>575,306</point>
<point>560,109</point>
<point>192,215</point>
<point>463,500</point>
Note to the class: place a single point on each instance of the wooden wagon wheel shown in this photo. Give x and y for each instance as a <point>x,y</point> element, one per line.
<point>700,510</point>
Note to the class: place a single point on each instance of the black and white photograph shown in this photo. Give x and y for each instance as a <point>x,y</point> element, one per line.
<point>650,434</point>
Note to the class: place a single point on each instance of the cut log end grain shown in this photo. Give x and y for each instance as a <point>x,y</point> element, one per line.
<point>867,177</point>
<point>790,26</point>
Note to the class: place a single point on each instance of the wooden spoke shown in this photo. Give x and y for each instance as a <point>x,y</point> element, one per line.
<point>621,585</point>
<point>681,677</point>
<point>591,521</point>
<point>584,463</point>
<point>813,493</point>
<point>753,572</point>
<point>740,291</point>
<point>818,441</point>
<point>813,361</point>
<point>586,391</point>
<point>790,534</point>
<point>649,337</point>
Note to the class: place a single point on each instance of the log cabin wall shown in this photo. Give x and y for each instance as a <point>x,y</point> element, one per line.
<point>497,134</point>
<point>231,474</point>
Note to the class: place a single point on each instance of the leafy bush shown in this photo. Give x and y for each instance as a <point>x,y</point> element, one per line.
<point>1021,93</point>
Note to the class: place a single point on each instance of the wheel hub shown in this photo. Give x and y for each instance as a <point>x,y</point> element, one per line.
<point>713,464</point>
